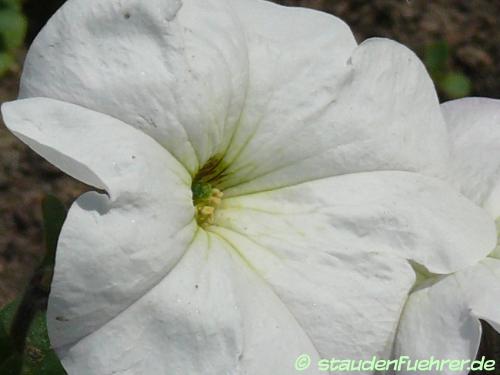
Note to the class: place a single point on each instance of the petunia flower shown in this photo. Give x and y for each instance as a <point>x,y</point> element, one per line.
<point>265,185</point>
<point>441,317</point>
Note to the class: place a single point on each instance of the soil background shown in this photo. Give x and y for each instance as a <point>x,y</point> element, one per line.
<point>470,28</point>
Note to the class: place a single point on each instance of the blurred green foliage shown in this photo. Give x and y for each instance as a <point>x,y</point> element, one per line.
<point>450,83</point>
<point>24,342</point>
<point>13,28</point>
<point>37,357</point>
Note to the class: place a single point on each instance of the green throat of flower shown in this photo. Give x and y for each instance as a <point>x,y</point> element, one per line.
<point>205,200</point>
<point>206,196</point>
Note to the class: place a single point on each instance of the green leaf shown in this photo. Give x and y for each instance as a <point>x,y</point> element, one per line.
<point>10,360</point>
<point>12,4</point>
<point>51,365</point>
<point>5,346</point>
<point>54,214</point>
<point>436,57</point>
<point>455,85</point>
<point>12,366</point>
<point>7,61</point>
<point>39,358</point>
<point>24,342</point>
<point>13,27</point>
<point>7,314</point>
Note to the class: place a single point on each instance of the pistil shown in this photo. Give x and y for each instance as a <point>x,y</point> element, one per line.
<point>205,199</point>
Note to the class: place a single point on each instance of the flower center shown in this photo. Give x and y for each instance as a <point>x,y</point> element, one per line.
<point>205,199</point>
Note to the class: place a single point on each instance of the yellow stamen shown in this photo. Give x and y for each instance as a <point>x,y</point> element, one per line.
<point>217,193</point>
<point>214,201</point>
<point>205,209</point>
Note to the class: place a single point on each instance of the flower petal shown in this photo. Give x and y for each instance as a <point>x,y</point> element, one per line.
<point>336,250</point>
<point>406,214</point>
<point>112,247</point>
<point>347,301</point>
<point>474,127</point>
<point>192,92</point>
<point>175,69</point>
<point>318,107</point>
<point>442,320</point>
<point>210,315</point>
<point>496,252</point>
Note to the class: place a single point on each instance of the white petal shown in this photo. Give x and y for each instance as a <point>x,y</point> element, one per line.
<point>318,107</point>
<point>496,252</point>
<point>179,70</point>
<point>474,127</point>
<point>336,250</point>
<point>348,300</point>
<point>492,203</point>
<point>175,69</point>
<point>442,320</point>
<point>111,249</point>
<point>400,213</point>
<point>210,315</point>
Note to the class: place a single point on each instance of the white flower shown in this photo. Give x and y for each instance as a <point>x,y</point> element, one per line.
<point>441,318</point>
<point>320,148</point>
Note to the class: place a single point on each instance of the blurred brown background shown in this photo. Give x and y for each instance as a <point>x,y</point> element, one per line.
<point>460,37</point>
